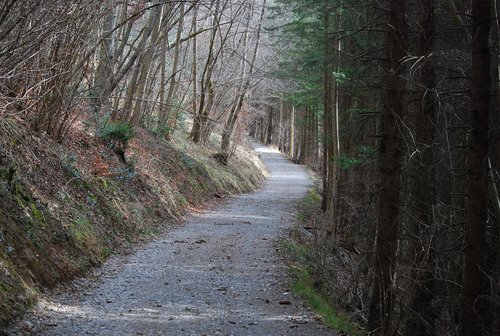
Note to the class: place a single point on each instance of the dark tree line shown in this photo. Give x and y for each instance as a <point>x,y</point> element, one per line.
<point>406,113</point>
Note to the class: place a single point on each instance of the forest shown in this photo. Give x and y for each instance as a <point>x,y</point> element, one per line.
<point>393,104</point>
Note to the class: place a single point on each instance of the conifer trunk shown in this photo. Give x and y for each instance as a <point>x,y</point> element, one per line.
<point>477,315</point>
<point>381,306</point>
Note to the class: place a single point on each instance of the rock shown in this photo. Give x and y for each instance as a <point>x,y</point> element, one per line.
<point>27,326</point>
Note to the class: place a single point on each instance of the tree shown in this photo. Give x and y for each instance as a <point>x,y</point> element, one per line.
<point>245,86</point>
<point>43,62</point>
<point>422,226</point>
<point>170,115</point>
<point>201,116</point>
<point>477,315</point>
<point>381,306</point>
<point>314,64</point>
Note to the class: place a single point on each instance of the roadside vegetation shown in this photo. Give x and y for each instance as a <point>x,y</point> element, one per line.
<point>309,270</point>
<point>66,207</point>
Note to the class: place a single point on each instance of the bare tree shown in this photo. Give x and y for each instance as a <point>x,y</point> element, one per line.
<point>243,90</point>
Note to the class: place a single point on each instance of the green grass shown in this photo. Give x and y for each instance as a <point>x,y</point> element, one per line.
<point>303,286</point>
<point>82,229</point>
<point>309,206</point>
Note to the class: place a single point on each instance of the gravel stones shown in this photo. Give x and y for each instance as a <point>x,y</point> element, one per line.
<point>218,274</point>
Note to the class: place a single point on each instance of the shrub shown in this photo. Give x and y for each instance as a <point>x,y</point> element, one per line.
<point>118,134</point>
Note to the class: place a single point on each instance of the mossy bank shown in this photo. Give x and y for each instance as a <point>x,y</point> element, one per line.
<point>64,208</point>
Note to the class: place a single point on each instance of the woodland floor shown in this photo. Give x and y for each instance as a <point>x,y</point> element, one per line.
<point>217,274</point>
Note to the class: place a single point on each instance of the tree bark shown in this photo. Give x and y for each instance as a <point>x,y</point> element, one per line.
<point>292,132</point>
<point>99,92</point>
<point>201,116</point>
<point>381,306</point>
<point>327,204</point>
<point>422,315</point>
<point>477,316</point>
<point>145,65</point>
<point>270,127</point>
<point>173,78</point>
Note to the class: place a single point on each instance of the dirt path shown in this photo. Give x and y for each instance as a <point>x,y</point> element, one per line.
<point>218,274</point>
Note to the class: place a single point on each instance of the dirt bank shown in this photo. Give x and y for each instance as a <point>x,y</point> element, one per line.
<point>218,274</point>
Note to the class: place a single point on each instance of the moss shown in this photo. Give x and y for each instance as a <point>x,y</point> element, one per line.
<point>18,188</point>
<point>82,229</point>
<point>36,213</point>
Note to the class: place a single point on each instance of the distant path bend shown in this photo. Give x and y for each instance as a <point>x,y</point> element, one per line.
<point>218,274</point>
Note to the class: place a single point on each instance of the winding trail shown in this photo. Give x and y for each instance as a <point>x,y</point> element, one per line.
<point>218,274</point>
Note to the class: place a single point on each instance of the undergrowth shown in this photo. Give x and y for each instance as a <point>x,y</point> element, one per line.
<point>302,257</point>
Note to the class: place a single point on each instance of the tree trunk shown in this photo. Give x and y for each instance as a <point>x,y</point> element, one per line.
<point>381,306</point>
<point>270,127</point>
<point>201,116</point>
<point>423,316</point>
<point>477,315</point>
<point>173,78</point>
<point>292,132</point>
<point>196,120</point>
<point>145,66</point>
<point>99,93</point>
<point>281,143</point>
<point>234,114</point>
<point>327,204</point>
<point>495,103</point>
<point>263,130</point>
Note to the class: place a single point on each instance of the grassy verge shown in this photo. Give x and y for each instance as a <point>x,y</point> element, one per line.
<point>301,261</point>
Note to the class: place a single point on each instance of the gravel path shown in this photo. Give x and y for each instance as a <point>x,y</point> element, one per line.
<point>218,274</point>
